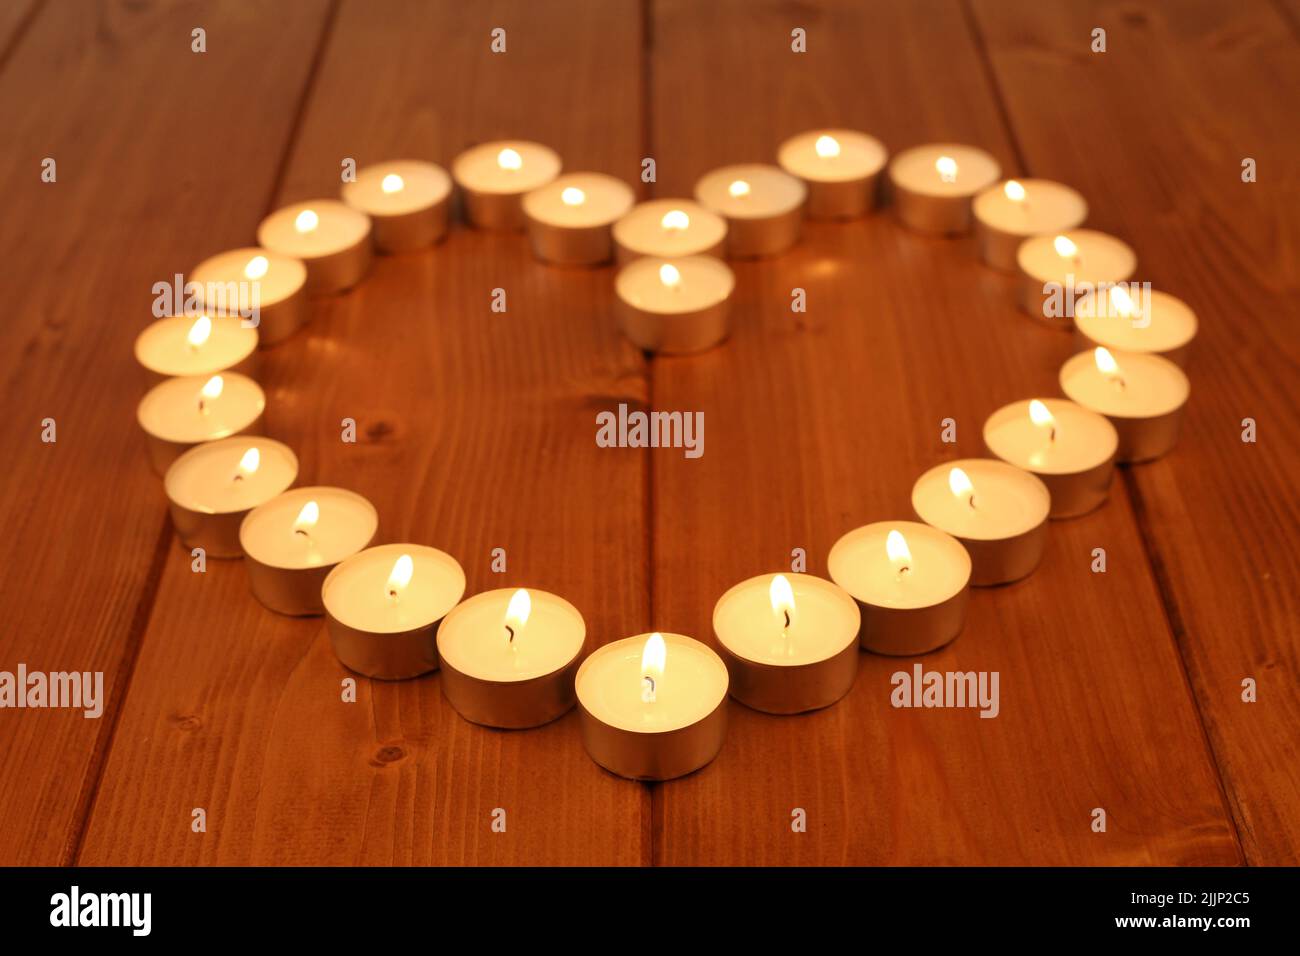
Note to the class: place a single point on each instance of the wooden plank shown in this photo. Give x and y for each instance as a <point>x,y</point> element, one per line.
<point>143,189</point>
<point>1200,85</point>
<point>15,18</point>
<point>477,432</point>
<point>819,425</point>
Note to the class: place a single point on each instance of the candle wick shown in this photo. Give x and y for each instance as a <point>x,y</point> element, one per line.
<point>971,500</point>
<point>511,630</point>
<point>392,593</point>
<point>648,691</point>
<point>1051,435</point>
<point>786,612</point>
<point>238,477</point>
<point>904,569</point>
<point>302,532</point>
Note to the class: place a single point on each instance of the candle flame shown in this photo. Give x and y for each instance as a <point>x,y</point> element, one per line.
<point>211,389</point>
<point>946,166</point>
<point>307,221</point>
<point>393,183</point>
<point>199,331</point>
<point>400,576</point>
<point>1039,413</point>
<point>739,189</point>
<point>307,518</point>
<point>675,219</point>
<point>517,611</point>
<point>669,275</point>
<point>827,147</point>
<point>653,659</point>
<point>573,196</point>
<point>782,597</point>
<point>900,555</point>
<point>509,159</point>
<point>256,267</point>
<point>1107,365</point>
<point>1065,247</point>
<point>249,463</point>
<point>960,484</point>
<point>1015,192</point>
<point>1122,302</point>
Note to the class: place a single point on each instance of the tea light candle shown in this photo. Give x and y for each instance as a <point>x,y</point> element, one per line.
<point>669,228</point>
<point>212,486</point>
<point>383,605</point>
<point>1142,395</point>
<point>763,207</point>
<point>509,657</point>
<point>292,542</point>
<point>1071,449</point>
<point>1007,213</point>
<point>252,277</point>
<point>570,219</point>
<point>999,512</point>
<point>933,185</point>
<point>330,237</point>
<point>179,413</point>
<point>494,177</point>
<point>911,581</point>
<point>1151,322</point>
<point>204,345</point>
<point>652,707</point>
<point>840,167</point>
<point>1063,267</point>
<point>675,306</point>
<point>406,200</point>
<point>790,642</point>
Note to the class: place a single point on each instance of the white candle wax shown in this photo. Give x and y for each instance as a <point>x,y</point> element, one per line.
<point>194,345</point>
<point>1008,212</point>
<point>235,281</point>
<point>370,592</point>
<point>330,237</point>
<point>477,639</point>
<point>675,306</point>
<point>579,201</point>
<point>278,533</point>
<point>1077,260</point>
<point>763,206</point>
<point>1140,386</point>
<point>186,411</point>
<point>930,567</point>
<point>231,475</point>
<point>495,176</point>
<point>406,200</point>
<point>839,167</point>
<point>1008,501</point>
<point>612,688</point>
<point>1066,439</point>
<point>945,170</point>
<point>1132,321</point>
<point>823,620</point>
<point>669,228</point>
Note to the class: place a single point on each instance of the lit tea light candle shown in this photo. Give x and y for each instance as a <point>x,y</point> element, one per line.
<point>406,200</point>
<point>1058,270</point>
<point>840,167</point>
<point>1142,395</point>
<point>911,582</point>
<point>509,657</point>
<point>179,413</point>
<point>790,642</point>
<point>762,204</point>
<point>493,178</point>
<point>241,281</point>
<point>933,185</point>
<point>669,228</point>
<point>183,345</point>
<point>652,707</point>
<point>570,220</point>
<point>292,542</point>
<point>1071,449</point>
<point>1150,322</point>
<point>330,237</point>
<point>997,511</point>
<point>383,605</point>
<point>675,306</point>
<point>1008,213</point>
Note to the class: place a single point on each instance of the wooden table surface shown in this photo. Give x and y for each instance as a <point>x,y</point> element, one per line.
<point>1120,690</point>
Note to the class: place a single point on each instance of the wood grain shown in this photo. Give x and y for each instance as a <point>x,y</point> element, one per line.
<point>821,423</point>
<point>1219,516</point>
<point>114,95</point>
<point>477,432</point>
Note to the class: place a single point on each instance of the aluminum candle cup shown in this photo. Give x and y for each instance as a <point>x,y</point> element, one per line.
<point>1008,213</point>
<point>240,280</point>
<point>669,228</point>
<point>790,642</point>
<point>570,220</point>
<point>383,605</point>
<point>933,185</point>
<point>763,207</point>
<point>212,486</point>
<point>1072,450</point>
<point>653,707</point>
<point>494,177</point>
<point>911,581</point>
<point>997,511</point>
<point>406,200</point>
<point>509,657</point>
<point>201,345</point>
<point>331,238</point>
<point>179,413</point>
<point>1058,270</point>
<point>1150,322</point>
<point>675,306</point>
<point>1142,395</point>
<point>840,167</point>
<point>292,542</point>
